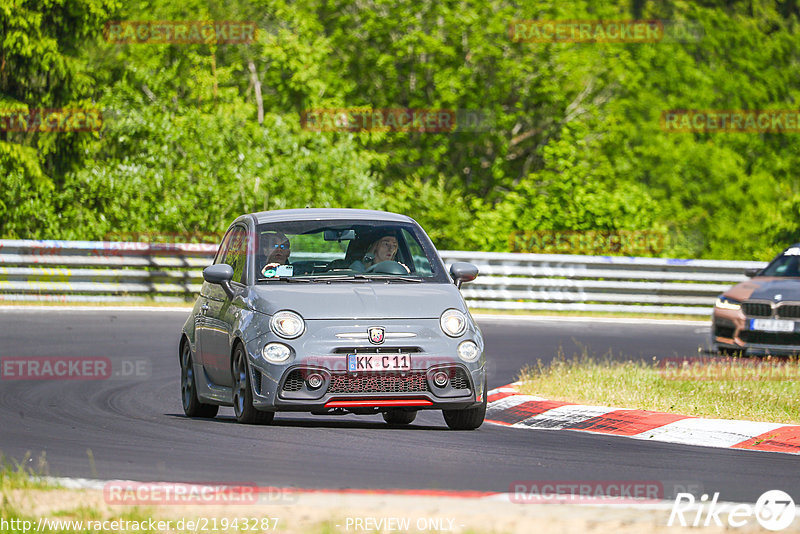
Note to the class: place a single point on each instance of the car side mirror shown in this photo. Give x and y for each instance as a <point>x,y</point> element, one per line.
<point>463,272</point>
<point>220,274</point>
<point>750,273</point>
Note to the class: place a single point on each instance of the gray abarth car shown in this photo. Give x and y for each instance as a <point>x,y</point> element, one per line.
<point>332,311</point>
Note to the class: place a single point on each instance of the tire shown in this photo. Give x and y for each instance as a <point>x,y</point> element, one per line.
<point>243,392</point>
<point>192,406</point>
<point>399,417</point>
<point>468,419</point>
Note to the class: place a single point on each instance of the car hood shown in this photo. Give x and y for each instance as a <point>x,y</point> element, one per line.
<point>355,300</point>
<point>766,288</point>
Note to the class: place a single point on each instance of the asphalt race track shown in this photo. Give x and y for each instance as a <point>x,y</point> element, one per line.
<point>133,427</point>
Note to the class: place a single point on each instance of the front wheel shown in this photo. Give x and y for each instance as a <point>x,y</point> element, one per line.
<point>192,406</point>
<point>243,392</point>
<point>467,419</point>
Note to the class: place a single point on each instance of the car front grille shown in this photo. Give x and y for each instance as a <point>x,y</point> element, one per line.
<point>377,350</point>
<point>294,382</point>
<point>379,383</point>
<point>724,331</point>
<point>788,311</point>
<point>723,327</point>
<point>757,309</point>
<point>770,338</point>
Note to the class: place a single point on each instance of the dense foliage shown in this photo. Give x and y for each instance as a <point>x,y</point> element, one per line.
<point>572,140</point>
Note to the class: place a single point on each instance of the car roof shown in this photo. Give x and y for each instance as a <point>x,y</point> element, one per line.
<point>327,213</point>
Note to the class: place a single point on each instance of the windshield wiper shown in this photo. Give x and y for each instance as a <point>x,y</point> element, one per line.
<point>344,278</point>
<point>284,279</point>
<point>393,278</point>
<point>341,278</point>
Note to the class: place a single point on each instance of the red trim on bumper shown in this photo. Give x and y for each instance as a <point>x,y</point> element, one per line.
<point>377,402</point>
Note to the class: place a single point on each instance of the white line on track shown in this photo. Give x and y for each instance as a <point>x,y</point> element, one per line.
<point>9,309</point>
<point>571,319</point>
<point>478,317</point>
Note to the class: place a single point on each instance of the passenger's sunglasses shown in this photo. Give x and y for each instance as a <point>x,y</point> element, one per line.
<point>282,246</point>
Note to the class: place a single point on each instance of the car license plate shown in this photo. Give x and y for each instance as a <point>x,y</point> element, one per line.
<point>378,362</point>
<point>771,325</point>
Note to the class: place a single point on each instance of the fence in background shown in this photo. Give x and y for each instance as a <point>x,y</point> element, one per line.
<point>96,271</point>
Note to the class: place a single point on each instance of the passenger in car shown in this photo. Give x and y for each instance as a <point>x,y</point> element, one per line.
<point>275,250</point>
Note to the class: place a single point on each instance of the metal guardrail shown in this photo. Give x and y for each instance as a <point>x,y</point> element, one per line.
<point>96,271</point>
<point>556,282</point>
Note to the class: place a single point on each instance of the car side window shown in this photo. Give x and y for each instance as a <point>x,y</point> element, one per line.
<point>223,247</point>
<point>236,254</point>
<point>421,264</point>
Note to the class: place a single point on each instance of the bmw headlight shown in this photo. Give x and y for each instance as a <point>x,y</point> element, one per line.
<point>726,303</point>
<point>287,324</point>
<point>453,322</point>
<point>468,351</point>
<point>276,352</point>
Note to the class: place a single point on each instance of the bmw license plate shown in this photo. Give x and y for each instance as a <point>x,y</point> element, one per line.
<point>771,325</point>
<point>378,362</point>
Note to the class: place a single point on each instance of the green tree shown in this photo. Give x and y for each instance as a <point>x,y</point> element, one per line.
<point>42,66</point>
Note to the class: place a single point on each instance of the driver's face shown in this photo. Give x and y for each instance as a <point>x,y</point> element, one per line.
<point>385,249</point>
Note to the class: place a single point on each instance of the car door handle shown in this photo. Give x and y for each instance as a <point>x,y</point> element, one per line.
<point>204,309</point>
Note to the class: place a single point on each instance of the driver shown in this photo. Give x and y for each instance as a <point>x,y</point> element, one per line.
<point>382,249</point>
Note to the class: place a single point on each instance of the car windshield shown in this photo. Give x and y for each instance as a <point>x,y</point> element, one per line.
<point>787,264</point>
<point>345,250</point>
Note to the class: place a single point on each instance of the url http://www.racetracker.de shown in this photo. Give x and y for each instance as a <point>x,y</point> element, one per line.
<point>202,524</point>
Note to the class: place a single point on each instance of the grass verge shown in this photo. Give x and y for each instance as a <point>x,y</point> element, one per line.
<point>19,476</point>
<point>765,390</point>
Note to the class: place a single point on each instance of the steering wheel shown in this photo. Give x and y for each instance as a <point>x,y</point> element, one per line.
<point>387,267</point>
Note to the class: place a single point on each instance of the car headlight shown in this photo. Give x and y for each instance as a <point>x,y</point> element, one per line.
<point>276,352</point>
<point>287,324</point>
<point>468,351</point>
<point>726,303</point>
<point>453,322</point>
